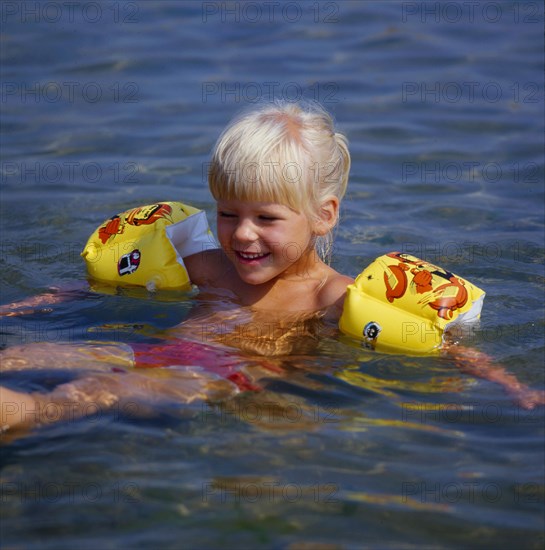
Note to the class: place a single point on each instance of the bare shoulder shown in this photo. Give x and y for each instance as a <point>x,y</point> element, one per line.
<point>334,290</point>
<point>206,267</point>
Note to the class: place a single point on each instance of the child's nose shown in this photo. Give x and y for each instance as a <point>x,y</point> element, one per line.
<point>245,231</point>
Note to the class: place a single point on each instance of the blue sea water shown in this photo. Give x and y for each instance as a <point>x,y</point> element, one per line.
<point>109,105</point>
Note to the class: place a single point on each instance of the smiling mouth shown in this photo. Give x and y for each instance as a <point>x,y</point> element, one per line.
<point>245,257</point>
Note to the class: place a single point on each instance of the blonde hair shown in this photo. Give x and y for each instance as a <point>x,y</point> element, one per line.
<point>282,152</point>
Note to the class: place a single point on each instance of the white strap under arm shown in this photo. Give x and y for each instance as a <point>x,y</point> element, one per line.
<point>191,235</point>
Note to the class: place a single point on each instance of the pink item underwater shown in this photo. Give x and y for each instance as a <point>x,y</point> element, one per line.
<point>185,352</point>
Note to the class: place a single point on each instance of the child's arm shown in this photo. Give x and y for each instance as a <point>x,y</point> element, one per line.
<point>208,267</point>
<point>333,293</point>
<point>39,303</point>
<point>193,243</point>
<point>479,364</point>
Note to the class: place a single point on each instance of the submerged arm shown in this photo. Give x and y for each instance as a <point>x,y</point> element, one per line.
<point>39,303</point>
<point>479,364</point>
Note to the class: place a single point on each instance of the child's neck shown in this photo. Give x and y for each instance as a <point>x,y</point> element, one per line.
<point>291,291</point>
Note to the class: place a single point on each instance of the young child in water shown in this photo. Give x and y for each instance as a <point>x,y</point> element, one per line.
<point>278,175</point>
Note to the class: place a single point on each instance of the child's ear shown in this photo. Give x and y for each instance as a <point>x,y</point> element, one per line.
<point>327,216</point>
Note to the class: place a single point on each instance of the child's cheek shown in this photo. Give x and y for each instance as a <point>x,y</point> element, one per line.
<point>223,236</point>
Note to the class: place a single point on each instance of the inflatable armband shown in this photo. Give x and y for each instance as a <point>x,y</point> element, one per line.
<point>401,303</point>
<point>145,246</point>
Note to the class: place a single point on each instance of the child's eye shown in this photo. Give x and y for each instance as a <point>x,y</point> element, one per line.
<point>222,214</point>
<point>268,218</point>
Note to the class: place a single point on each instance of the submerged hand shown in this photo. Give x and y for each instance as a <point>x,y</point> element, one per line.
<point>528,398</point>
<point>480,364</point>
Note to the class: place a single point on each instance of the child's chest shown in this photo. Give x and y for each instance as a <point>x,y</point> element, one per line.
<point>286,296</point>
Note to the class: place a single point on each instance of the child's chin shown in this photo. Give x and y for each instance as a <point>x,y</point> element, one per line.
<point>254,278</point>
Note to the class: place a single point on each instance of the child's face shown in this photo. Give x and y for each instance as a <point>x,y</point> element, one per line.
<point>264,240</point>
